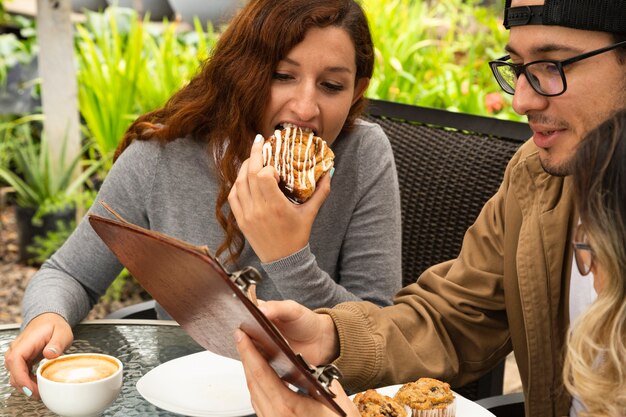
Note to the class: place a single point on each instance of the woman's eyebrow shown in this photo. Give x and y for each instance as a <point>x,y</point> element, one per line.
<point>291,61</point>
<point>338,68</point>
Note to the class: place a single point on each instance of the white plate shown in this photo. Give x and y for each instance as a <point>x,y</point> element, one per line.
<point>201,385</point>
<point>464,407</point>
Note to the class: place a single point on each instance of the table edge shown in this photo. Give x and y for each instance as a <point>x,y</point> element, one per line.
<point>130,322</point>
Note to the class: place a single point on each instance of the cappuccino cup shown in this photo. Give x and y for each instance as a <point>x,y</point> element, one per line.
<point>79,385</point>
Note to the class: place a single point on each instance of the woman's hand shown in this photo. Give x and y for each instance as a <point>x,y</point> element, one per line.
<point>47,334</point>
<point>271,397</point>
<point>274,227</point>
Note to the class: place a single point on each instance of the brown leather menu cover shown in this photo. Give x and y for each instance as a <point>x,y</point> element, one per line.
<point>208,302</point>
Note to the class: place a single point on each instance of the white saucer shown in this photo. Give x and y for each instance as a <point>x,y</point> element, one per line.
<point>200,385</point>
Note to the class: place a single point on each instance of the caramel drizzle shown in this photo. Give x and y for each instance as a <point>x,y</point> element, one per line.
<point>285,153</point>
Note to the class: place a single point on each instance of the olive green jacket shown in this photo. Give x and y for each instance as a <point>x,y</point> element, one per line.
<point>508,289</point>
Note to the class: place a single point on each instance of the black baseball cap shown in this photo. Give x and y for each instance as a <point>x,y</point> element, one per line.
<point>597,15</point>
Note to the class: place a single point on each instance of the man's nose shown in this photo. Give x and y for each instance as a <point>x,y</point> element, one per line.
<point>526,99</point>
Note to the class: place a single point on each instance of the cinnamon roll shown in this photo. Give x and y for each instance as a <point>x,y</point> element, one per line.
<point>300,158</point>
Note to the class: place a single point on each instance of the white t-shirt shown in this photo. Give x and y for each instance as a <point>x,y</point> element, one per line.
<point>581,295</point>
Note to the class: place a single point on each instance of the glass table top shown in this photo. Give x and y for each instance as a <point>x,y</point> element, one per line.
<point>141,345</point>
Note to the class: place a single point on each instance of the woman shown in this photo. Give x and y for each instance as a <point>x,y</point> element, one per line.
<point>595,368</point>
<point>304,62</point>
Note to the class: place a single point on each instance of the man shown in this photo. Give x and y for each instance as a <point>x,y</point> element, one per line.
<point>513,285</point>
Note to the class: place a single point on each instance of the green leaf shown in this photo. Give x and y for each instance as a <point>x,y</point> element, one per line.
<point>435,53</point>
<point>39,179</point>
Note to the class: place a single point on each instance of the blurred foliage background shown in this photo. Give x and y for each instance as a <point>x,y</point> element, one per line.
<point>436,54</point>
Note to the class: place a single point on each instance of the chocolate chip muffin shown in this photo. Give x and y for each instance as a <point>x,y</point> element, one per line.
<point>372,404</point>
<point>427,397</point>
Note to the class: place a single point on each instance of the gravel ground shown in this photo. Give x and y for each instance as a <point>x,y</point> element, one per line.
<point>14,277</point>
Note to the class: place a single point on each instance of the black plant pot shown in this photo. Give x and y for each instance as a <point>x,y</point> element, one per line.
<point>26,231</point>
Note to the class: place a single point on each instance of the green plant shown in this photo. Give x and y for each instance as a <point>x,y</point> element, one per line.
<point>16,50</point>
<point>109,62</point>
<point>4,156</point>
<point>4,16</point>
<point>44,246</point>
<point>116,289</point>
<point>38,179</point>
<point>172,59</point>
<point>127,67</point>
<point>435,54</point>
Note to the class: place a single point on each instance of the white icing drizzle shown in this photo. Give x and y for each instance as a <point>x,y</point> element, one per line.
<point>310,172</point>
<point>278,145</point>
<point>286,172</point>
<point>267,153</point>
<point>284,161</point>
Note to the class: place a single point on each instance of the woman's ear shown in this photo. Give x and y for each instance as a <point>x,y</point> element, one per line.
<point>359,89</point>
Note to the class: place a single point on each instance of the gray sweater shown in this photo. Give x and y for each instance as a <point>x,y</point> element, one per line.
<point>353,252</point>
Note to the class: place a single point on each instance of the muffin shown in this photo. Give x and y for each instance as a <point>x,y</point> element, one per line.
<point>300,158</point>
<point>372,404</point>
<point>427,397</point>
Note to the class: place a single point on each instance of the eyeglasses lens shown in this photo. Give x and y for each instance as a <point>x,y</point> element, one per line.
<point>544,77</point>
<point>508,77</point>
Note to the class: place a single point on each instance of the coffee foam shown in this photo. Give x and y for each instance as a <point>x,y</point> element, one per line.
<point>77,369</point>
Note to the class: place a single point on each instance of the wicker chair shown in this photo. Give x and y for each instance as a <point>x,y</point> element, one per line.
<point>449,165</point>
<point>508,405</point>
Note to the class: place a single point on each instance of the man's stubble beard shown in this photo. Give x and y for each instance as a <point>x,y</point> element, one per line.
<point>565,168</point>
<point>561,170</point>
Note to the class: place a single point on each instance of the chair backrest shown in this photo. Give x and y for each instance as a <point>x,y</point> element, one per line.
<point>508,405</point>
<point>449,165</point>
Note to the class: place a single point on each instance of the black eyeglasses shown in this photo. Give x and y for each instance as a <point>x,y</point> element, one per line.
<point>546,76</point>
<point>583,253</point>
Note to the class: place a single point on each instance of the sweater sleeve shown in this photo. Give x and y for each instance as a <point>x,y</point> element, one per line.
<point>369,248</point>
<point>451,324</point>
<point>79,273</point>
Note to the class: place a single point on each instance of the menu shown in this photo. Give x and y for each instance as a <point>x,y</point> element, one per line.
<point>209,302</point>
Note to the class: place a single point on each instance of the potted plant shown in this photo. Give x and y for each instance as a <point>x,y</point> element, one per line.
<point>45,189</point>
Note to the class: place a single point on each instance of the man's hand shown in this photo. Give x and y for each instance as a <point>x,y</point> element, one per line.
<point>272,398</point>
<point>308,333</point>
